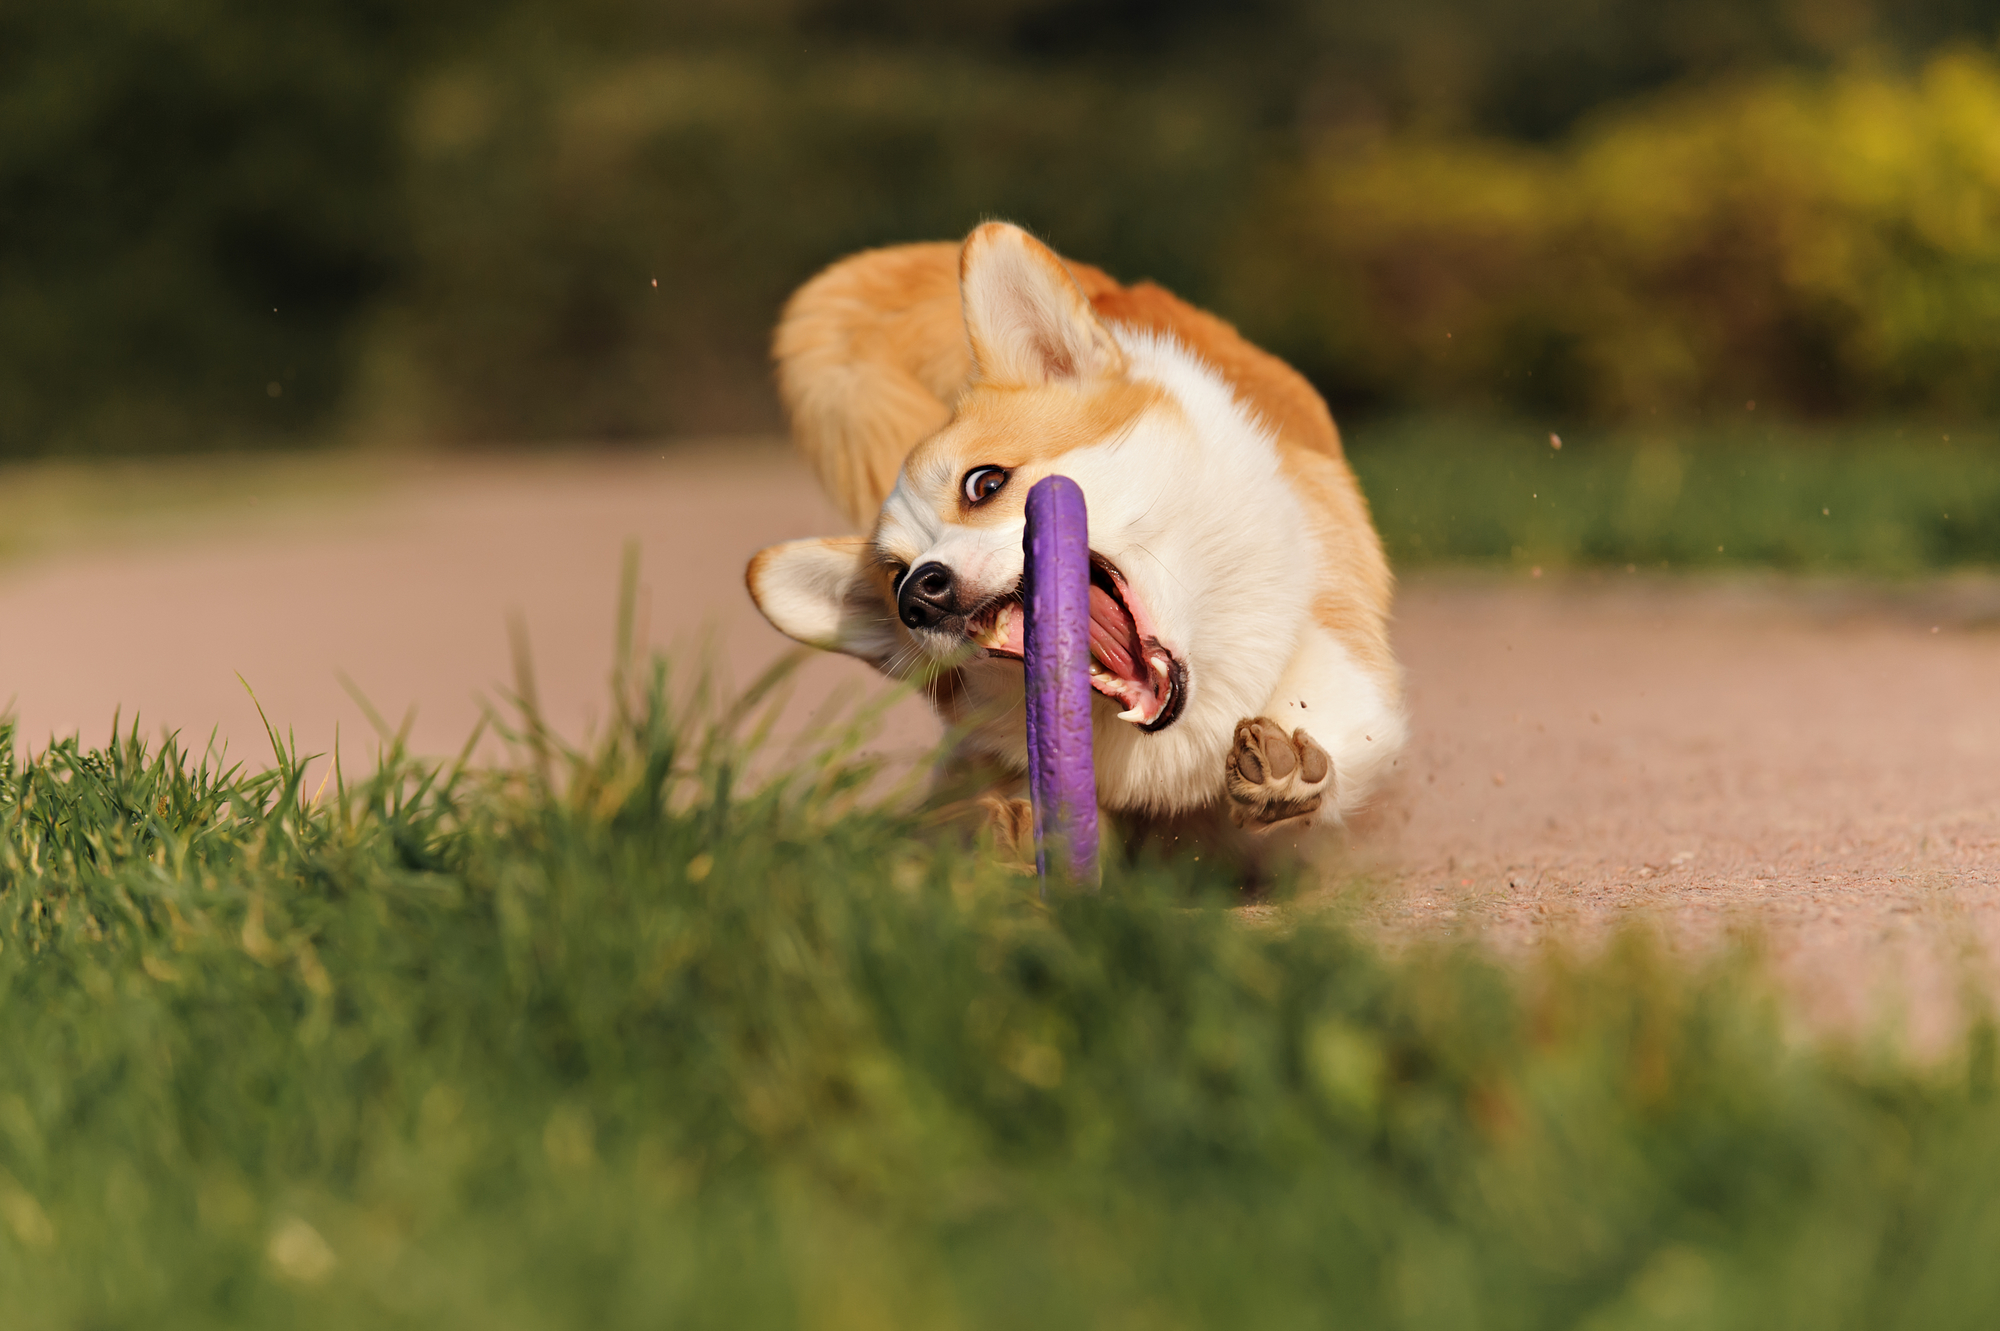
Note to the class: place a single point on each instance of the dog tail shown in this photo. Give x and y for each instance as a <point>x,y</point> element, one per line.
<point>871,354</point>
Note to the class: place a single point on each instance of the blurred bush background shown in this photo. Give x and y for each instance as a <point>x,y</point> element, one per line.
<point>226,224</point>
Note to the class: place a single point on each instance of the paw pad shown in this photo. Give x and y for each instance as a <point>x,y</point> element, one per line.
<point>1274,775</point>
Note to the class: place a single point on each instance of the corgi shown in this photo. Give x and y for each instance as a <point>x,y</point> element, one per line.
<point>1240,597</point>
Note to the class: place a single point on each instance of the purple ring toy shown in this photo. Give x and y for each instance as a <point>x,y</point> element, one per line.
<point>1055,592</point>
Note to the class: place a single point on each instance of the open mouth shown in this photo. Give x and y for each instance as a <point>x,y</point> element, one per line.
<point>1127,663</point>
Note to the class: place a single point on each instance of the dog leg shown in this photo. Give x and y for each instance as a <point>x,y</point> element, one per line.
<point>1275,776</point>
<point>1350,713</point>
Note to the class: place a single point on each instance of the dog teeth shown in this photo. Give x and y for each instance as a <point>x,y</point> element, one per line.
<point>1136,715</point>
<point>994,634</point>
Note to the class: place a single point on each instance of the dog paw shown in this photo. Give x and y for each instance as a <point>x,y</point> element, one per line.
<point>1274,777</point>
<point>1012,822</point>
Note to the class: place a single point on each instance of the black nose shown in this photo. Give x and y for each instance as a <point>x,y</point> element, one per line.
<point>926,597</point>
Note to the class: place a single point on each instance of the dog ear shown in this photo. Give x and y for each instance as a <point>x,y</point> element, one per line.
<point>826,594</point>
<point>1025,316</point>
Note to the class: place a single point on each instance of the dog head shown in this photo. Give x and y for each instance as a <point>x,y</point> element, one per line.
<point>1191,525</point>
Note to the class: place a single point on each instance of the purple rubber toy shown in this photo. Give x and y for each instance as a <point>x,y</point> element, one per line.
<point>1062,780</point>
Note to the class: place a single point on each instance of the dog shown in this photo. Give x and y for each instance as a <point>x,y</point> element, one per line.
<point>1240,597</point>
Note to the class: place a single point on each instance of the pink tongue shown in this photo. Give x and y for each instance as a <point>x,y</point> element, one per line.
<point>1112,640</point>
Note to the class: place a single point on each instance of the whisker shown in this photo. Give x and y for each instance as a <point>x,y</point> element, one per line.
<point>902,660</point>
<point>1161,562</point>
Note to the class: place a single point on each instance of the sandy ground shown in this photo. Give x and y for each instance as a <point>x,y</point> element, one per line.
<point>404,582</point>
<point>1818,764</point>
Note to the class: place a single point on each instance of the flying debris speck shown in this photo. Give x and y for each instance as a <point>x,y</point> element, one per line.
<point>1555,441</point>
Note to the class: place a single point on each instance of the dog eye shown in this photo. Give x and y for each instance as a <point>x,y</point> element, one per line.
<point>982,483</point>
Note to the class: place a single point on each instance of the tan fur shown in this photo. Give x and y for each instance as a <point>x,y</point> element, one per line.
<point>1359,587</point>
<point>1020,427</point>
<point>872,359</point>
<point>871,356</point>
<point>895,361</point>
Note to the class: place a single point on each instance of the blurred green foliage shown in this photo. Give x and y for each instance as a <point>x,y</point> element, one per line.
<point>1878,501</point>
<point>1819,246</point>
<point>609,1039</point>
<point>221,223</point>
<point>605,253</point>
<point>198,204</point>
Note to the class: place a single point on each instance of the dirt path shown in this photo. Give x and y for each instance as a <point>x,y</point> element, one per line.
<point>1818,764</point>
<point>405,582</point>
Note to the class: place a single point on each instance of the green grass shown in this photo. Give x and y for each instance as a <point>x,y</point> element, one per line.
<point>1883,501</point>
<point>611,1040</point>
